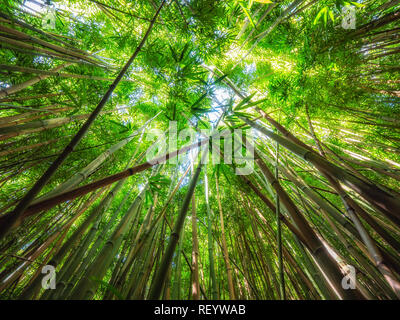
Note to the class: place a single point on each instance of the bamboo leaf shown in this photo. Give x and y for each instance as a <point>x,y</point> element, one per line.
<point>319,15</point>
<point>244,102</point>
<point>173,53</point>
<point>198,101</point>
<point>183,52</point>
<point>219,79</point>
<point>331,15</point>
<point>247,13</point>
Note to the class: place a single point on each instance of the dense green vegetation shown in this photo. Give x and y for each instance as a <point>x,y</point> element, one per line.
<point>317,100</point>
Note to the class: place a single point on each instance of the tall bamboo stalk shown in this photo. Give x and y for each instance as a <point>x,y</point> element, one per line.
<point>224,246</point>
<point>279,233</point>
<point>195,283</point>
<point>210,241</point>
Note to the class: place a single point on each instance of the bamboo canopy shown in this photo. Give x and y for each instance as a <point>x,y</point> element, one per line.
<point>200,150</point>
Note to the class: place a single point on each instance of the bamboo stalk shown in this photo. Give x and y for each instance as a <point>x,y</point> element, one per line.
<point>23,36</point>
<point>279,233</point>
<point>56,74</point>
<point>18,87</point>
<point>224,246</point>
<point>210,241</point>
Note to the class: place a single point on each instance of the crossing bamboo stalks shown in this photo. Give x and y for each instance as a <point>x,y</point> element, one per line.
<point>71,275</point>
<point>33,192</point>
<point>67,272</point>
<point>80,191</point>
<point>32,28</point>
<point>82,175</point>
<point>56,74</point>
<point>318,211</point>
<point>57,258</point>
<point>352,209</point>
<point>25,37</point>
<point>380,199</point>
<point>87,286</point>
<point>57,233</point>
<point>18,87</point>
<point>332,271</point>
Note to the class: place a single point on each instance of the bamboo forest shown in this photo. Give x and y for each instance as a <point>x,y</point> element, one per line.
<point>199,150</point>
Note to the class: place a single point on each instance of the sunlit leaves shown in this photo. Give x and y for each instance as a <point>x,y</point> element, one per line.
<point>324,13</point>
<point>263,1</point>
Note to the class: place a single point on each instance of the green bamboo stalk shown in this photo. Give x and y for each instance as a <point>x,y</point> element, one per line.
<point>214,292</point>
<point>279,233</point>
<point>87,286</point>
<point>231,289</point>
<point>176,289</point>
